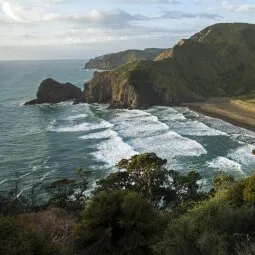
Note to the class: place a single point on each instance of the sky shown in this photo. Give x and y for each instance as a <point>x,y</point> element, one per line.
<point>82,29</point>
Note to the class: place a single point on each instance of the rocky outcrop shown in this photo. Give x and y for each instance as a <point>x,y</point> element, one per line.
<point>114,60</point>
<point>137,89</point>
<point>51,91</point>
<point>109,89</point>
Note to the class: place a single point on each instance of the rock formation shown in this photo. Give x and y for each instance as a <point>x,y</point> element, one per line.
<point>51,91</point>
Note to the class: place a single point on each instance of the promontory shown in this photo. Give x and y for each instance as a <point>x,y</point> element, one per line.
<point>114,60</point>
<point>217,62</point>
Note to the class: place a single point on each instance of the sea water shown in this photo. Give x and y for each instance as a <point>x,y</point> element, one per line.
<point>48,142</point>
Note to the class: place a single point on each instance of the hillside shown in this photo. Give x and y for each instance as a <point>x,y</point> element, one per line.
<point>165,54</point>
<point>114,60</point>
<point>219,61</point>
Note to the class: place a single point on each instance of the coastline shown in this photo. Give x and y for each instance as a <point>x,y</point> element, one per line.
<point>237,112</point>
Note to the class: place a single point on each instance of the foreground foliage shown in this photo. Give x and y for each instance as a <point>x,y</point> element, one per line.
<point>17,239</point>
<point>119,222</point>
<point>144,208</point>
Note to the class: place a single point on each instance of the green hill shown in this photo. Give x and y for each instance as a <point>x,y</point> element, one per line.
<point>219,61</point>
<point>114,60</point>
<point>165,54</point>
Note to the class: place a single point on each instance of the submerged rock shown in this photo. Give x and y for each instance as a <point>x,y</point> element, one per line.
<point>51,91</point>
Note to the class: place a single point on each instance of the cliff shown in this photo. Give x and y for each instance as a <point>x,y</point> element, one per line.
<point>114,60</point>
<point>219,61</point>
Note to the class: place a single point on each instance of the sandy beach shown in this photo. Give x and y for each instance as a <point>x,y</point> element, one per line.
<point>238,112</point>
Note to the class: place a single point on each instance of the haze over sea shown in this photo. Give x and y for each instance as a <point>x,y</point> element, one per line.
<point>48,142</point>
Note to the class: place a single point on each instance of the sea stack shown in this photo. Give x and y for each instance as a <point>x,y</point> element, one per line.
<point>51,91</point>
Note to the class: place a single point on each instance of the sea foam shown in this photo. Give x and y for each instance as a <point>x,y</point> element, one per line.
<point>85,126</point>
<point>225,164</point>
<point>243,155</point>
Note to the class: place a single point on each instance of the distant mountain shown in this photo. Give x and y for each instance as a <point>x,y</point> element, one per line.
<point>114,60</point>
<point>219,61</point>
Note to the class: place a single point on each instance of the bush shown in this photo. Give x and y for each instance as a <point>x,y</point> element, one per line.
<point>53,224</point>
<point>222,225</point>
<point>118,222</point>
<point>17,240</point>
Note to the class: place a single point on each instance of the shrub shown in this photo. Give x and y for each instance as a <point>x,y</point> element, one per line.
<point>53,224</point>
<point>118,222</point>
<point>17,240</point>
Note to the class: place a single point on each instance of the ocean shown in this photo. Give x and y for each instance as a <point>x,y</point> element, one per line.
<point>48,142</point>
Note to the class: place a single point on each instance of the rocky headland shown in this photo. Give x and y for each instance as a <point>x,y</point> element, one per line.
<point>114,60</point>
<point>219,62</point>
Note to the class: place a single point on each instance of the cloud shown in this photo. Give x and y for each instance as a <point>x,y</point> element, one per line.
<point>50,24</point>
<point>12,13</point>
<point>182,15</point>
<point>238,7</point>
<point>117,18</point>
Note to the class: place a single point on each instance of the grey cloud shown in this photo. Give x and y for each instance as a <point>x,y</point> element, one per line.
<point>182,15</point>
<point>122,19</point>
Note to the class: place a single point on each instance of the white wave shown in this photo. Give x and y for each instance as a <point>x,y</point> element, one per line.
<point>237,133</point>
<point>167,113</point>
<point>86,126</point>
<point>225,164</point>
<point>168,145</point>
<point>178,123</point>
<point>188,112</point>
<point>137,123</point>
<point>108,133</point>
<point>146,133</point>
<point>243,155</point>
<point>75,117</point>
<point>112,151</point>
<point>196,128</point>
<point>131,114</point>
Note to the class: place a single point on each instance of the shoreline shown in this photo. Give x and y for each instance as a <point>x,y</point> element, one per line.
<point>226,112</point>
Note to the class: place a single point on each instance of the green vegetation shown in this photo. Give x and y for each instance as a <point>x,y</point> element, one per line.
<point>146,174</point>
<point>143,208</point>
<point>165,54</point>
<point>119,222</point>
<point>18,239</point>
<point>217,62</point>
<point>114,60</point>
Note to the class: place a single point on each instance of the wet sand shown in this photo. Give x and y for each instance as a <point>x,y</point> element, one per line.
<point>237,112</point>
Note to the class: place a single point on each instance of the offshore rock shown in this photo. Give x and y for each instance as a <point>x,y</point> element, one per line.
<point>51,91</point>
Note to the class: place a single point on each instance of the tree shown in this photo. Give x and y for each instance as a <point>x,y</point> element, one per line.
<point>118,222</point>
<point>223,224</point>
<point>146,174</point>
<point>69,194</point>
